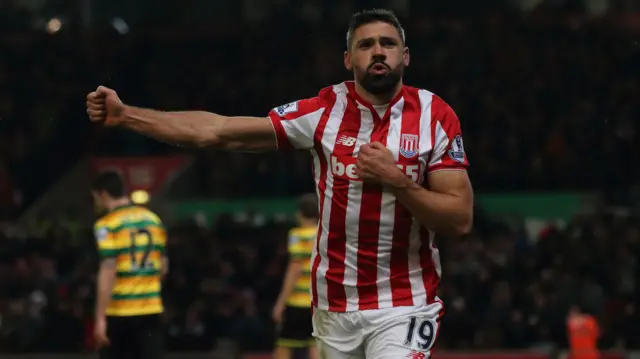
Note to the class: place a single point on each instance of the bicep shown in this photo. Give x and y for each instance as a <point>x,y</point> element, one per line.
<point>452,182</point>
<point>288,126</point>
<point>247,134</point>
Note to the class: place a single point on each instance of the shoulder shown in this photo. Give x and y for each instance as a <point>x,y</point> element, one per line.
<point>102,228</point>
<point>325,98</point>
<point>328,95</point>
<point>441,110</point>
<point>294,237</point>
<point>299,108</point>
<point>150,216</point>
<point>436,111</point>
<point>108,220</point>
<point>437,107</point>
<point>146,217</point>
<point>101,221</point>
<point>108,223</point>
<point>295,232</point>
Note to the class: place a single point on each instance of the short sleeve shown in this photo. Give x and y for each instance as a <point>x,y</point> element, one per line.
<point>448,150</point>
<point>295,123</point>
<point>105,241</point>
<point>296,250</point>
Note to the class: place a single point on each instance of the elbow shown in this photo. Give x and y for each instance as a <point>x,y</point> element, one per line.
<point>462,228</point>
<point>465,228</point>
<point>212,136</point>
<point>204,141</point>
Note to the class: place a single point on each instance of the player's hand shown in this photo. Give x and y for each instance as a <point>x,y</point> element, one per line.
<point>104,106</point>
<point>375,163</point>
<point>100,332</point>
<point>277,312</point>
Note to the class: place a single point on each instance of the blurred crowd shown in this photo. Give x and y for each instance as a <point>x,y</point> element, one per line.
<point>502,288</point>
<point>505,289</point>
<point>546,101</point>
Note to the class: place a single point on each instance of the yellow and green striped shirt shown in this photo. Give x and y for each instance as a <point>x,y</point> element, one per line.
<point>301,241</point>
<point>136,238</point>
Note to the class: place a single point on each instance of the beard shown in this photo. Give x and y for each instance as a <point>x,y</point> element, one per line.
<point>380,84</point>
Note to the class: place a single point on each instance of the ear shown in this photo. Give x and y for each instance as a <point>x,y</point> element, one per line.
<point>347,60</point>
<point>406,57</point>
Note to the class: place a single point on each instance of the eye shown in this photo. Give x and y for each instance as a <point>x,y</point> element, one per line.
<point>388,42</point>
<point>365,44</point>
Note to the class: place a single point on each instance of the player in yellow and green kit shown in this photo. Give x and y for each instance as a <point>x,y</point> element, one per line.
<point>292,311</point>
<point>131,241</point>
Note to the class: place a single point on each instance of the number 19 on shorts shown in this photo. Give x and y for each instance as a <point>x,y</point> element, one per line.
<point>421,332</point>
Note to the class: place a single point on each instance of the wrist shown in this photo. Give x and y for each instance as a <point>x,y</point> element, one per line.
<point>399,180</point>
<point>126,114</point>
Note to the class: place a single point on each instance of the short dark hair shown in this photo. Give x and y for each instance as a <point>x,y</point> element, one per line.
<point>373,15</point>
<point>110,182</point>
<point>308,206</point>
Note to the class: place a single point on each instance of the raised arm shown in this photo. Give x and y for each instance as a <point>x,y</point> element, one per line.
<point>195,128</point>
<point>288,125</point>
<point>202,129</point>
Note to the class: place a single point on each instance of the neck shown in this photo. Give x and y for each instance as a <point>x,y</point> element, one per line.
<point>308,223</point>
<point>378,100</point>
<point>120,202</point>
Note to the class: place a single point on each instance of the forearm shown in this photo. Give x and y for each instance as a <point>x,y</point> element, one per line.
<point>294,270</point>
<point>198,128</point>
<point>442,213</point>
<point>106,279</point>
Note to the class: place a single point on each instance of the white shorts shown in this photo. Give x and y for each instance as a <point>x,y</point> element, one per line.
<point>393,333</point>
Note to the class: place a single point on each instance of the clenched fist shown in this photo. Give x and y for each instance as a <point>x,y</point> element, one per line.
<point>104,106</point>
<point>376,164</point>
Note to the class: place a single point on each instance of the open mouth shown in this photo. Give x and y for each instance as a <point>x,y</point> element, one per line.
<point>378,69</point>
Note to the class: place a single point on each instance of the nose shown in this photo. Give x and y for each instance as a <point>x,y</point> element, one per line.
<point>378,49</point>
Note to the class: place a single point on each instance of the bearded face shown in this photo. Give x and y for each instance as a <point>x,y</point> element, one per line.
<point>379,78</point>
<point>377,57</point>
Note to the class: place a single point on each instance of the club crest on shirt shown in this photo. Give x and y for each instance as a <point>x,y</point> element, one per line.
<point>408,145</point>
<point>287,108</point>
<point>457,149</point>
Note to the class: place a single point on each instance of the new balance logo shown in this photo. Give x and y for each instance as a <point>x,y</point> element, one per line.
<point>346,141</point>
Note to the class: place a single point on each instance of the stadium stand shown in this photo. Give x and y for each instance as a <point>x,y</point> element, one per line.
<point>547,102</point>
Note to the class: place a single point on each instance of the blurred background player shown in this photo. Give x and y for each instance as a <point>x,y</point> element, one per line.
<point>131,241</point>
<point>292,311</point>
<point>583,332</point>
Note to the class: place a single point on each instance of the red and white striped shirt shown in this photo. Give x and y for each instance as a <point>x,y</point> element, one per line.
<point>371,252</point>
